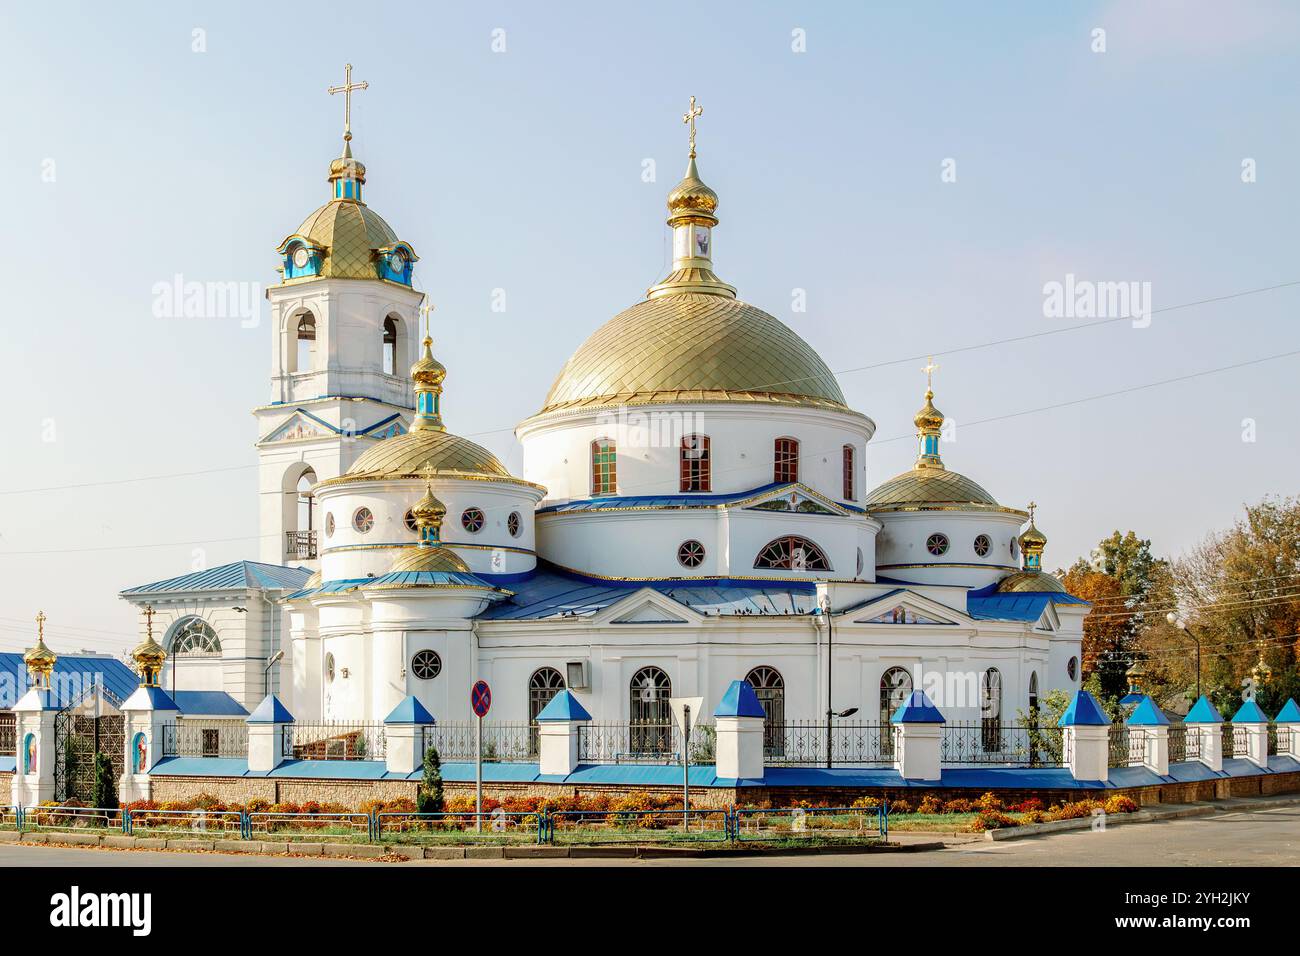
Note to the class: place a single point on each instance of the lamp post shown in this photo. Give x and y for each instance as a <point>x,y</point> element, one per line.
<point>824,613</point>
<point>1179,623</point>
<point>271,662</point>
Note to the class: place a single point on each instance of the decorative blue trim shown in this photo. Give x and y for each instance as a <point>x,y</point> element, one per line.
<point>1289,714</point>
<point>150,698</point>
<point>1250,713</point>
<point>739,701</point>
<point>1084,711</point>
<point>563,707</point>
<point>270,711</point>
<point>409,711</point>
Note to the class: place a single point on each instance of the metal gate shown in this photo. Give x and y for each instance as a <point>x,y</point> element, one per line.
<point>88,727</point>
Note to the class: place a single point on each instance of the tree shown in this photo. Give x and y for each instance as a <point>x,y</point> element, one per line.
<point>104,789</point>
<point>428,799</point>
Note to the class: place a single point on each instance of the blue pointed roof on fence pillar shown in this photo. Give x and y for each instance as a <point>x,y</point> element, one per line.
<point>563,706</point>
<point>1289,714</point>
<point>270,711</point>
<point>1084,711</point>
<point>739,701</point>
<point>1203,712</point>
<point>409,711</point>
<point>917,709</point>
<point>1147,714</point>
<point>1250,713</point>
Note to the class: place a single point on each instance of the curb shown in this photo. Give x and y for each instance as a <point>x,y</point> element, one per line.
<point>1112,819</point>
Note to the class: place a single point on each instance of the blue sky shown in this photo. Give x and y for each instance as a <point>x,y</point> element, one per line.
<point>522,171</point>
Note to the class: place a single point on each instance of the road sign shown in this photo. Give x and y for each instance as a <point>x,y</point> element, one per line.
<point>696,704</point>
<point>480,698</point>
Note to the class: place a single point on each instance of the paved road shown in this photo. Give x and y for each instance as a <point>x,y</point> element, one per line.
<point>1248,837</point>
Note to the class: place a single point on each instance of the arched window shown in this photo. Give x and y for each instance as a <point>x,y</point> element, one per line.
<point>1033,696</point>
<point>194,637</point>
<point>604,467</point>
<point>305,343</point>
<point>390,346</point>
<point>785,461</point>
<point>792,553</point>
<point>651,717</point>
<point>895,687</point>
<point>848,472</point>
<point>696,464</point>
<point>991,710</point>
<point>769,688</point>
<point>306,501</point>
<point>545,683</point>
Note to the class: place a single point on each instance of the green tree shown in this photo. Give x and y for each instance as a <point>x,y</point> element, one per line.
<point>428,799</point>
<point>104,790</point>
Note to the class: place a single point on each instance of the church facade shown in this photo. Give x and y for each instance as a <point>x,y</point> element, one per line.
<point>693,509</point>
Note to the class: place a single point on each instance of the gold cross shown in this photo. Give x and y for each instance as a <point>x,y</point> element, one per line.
<point>1032,506</point>
<point>425,309</point>
<point>929,371</point>
<point>40,625</point>
<point>346,89</point>
<point>148,619</point>
<point>689,118</point>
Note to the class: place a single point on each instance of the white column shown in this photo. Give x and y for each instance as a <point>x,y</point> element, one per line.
<point>33,780</point>
<point>404,744</point>
<point>1256,744</point>
<point>739,748</point>
<point>558,740</point>
<point>1211,744</point>
<point>1155,752</point>
<point>916,750</point>
<point>1288,734</point>
<point>1088,747</point>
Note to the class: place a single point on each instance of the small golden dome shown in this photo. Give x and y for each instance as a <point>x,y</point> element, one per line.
<point>148,656</point>
<point>39,658</point>
<point>419,557</point>
<point>420,453</point>
<point>1032,540</point>
<point>929,418</point>
<point>1027,582</point>
<point>428,371</point>
<point>691,198</point>
<point>924,485</point>
<point>429,509</point>
<point>345,167</point>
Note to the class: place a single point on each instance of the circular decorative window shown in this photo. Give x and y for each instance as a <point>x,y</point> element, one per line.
<point>1072,668</point>
<point>363,520</point>
<point>471,519</point>
<point>982,544</point>
<point>329,668</point>
<point>860,564</point>
<point>690,554</point>
<point>408,519</point>
<point>329,525</point>
<point>937,544</point>
<point>426,665</point>
<point>514,524</point>
<point>1013,547</point>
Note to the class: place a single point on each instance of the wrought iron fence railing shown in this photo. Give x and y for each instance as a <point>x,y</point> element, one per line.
<point>1234,741</point>
<point>300,544</point>
<point>644,743</point>
<point>1117,753</point>
<point>8,734</point>
<point>804,743</point>
<point>1279,740</point>
<point>502,742</point>
<point>1008,744</point>
<point>200,738</point>
<point>336,740</point>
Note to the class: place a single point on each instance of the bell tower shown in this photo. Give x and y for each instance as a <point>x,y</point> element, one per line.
<point>345,329</point>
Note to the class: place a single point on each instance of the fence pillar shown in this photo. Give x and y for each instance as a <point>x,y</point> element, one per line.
<point>1150,721</point>
<point>918,726</point>
<point>558,728</point>
<point>1288,727</point>
<point>1206,722</point>
<point>1256,723</point>
<point>267,726</point>
<point>738,752</point>
<point>404,736</point>
<point>1086,738</point>
<point>145,713</point>
<point>33,780</point>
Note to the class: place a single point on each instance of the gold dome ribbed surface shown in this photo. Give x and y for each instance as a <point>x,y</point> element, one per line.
<point>692,195</point>
<point>39,657</point>
<point>418,453</point>
<point>928,485</point>
<point>428,508</point>
<point>350,231</point>
<point>428,370</point>
<point>1032,539</point>
<point>929,418</point>
<point>427,558</point>
<point>1022,582</point>
<point>694,347</point>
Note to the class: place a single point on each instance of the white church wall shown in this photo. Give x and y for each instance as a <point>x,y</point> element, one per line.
<point>901,546</point>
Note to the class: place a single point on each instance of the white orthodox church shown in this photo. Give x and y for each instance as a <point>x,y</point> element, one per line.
<point>694,508</point>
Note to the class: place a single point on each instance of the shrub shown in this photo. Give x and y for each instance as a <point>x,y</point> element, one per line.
<point>104,788</point>
<point>988,802</point>
<point>429,798</point>
<point>898,806</point>
<point>1027,806</point>
<point>1118,803</point>
<point>929,805</point>
<point>959,805</point>
<point>862,803</point>
<point>992,820</point>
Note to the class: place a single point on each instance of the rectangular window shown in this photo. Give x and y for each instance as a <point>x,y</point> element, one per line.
<point>848,472</point>
<point>604,467</point>
<point>695,471</point>
<point>786,461</point>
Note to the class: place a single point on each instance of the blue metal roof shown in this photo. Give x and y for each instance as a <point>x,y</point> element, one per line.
<point>409,711</point>
<point>986,604</point>
<point>563,706</point>
<point>739,701</point>
<point>1147,714</point>
<point>237,576</point>
<point>270,711</point>
<point>917,709</point>
<point>1289,714</point>
<point>1084,711</point>
<point>207,703</point>
<point>1203,712</point>
<point>1250,713</point>
<point>73,675</point>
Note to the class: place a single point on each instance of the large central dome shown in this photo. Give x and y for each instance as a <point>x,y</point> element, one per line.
<point>694,347</point>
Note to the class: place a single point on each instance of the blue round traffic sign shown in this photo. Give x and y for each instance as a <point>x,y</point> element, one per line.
<point>480,698</point>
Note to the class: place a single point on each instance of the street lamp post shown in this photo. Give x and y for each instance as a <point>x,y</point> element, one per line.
<point>1177,622</point>
<point>824,611</point>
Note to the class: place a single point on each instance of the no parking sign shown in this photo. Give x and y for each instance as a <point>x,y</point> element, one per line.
<point>480,698</point>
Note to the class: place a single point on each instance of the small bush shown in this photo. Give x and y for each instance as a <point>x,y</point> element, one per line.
<point>992,820</point>
<point>958,805</point>
<point>929,805</point>
<point>1118,803</point>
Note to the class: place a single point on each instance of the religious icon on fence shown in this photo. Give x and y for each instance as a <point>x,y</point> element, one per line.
<point>29,753</point>
<point>139,753</point>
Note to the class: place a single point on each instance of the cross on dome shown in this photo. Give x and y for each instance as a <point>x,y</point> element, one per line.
<point>346,89</point>
<point>689,118</point>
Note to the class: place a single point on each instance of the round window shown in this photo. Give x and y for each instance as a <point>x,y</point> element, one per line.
<point>514,524</point>
<point>408,519</point>
<point>329,668</point>
<point>426,665</point>
<point>691,554</point>
<point>363,520</point>
<point>937,544</point>
<point>982,544</point>
<point>329,525</point>
<point>471,520</point>
<point>1072,668</point>
<point>861,564</point>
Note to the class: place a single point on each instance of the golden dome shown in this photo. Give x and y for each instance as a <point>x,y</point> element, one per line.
<point>429,508</point>
<point>929,418</point>
<point>420,453</point>
<point>1032,539</point>
<point>419,557</point>
<point>148,656</point>
<point>350,232</point>
<point>927,485</point>
<point>692,199</point>
<point>1025,582</point>
<point>428,371</point>
<point>694,347</point>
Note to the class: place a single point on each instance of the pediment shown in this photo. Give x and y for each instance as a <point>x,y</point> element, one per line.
<point>793,499</point>
<point>647,606</point>
<point>903,608</point>
<point>298,427</point>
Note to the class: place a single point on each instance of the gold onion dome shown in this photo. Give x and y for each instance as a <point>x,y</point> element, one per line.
<point>148,655</point>
<point>929,417</point>
<point>39,658</point>
<point>428,510</point>
<point>351,234</point>
<point>1032,540</point>
<point>428,370</point>
<point>691,198</point>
